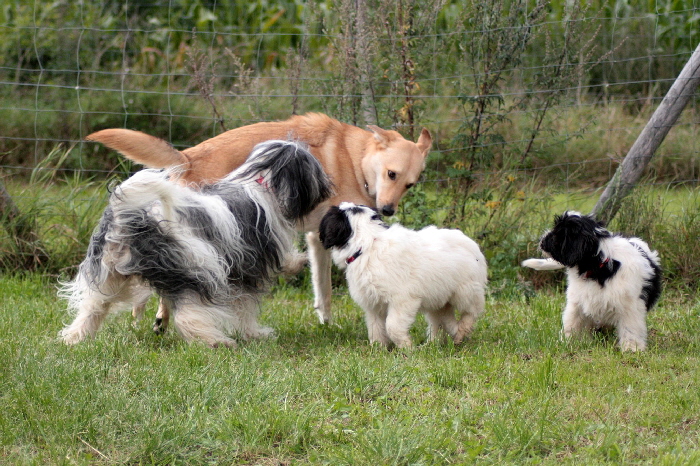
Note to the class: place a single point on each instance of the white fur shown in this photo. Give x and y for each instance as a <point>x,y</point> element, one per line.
<point>588,306</point>
<point>615,304</point>
<point>200,258</point>
<point>402,272</point>
<point>543,264</point>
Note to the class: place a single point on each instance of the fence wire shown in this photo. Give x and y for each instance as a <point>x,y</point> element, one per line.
<point>182,71</point>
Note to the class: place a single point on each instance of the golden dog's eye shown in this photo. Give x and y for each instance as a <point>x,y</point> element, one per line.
<point>409,185</point>
<point>392,175</point>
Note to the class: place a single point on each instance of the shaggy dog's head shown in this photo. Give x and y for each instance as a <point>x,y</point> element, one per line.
<point>290,171</point>
<point>574,240</point>
<point>338,224</point>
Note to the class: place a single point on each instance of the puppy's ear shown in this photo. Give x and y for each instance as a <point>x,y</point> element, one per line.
<point>335,229</point>
<point>581,245</point>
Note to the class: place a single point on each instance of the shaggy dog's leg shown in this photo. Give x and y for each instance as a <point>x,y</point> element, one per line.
<point>294,262</point>
<point>162,318</point>
<point>632,328</point>
<point>246,320</point>
<point>92,310</point>
<point>138,310</point>
<point>375,319</point>
<point>320,260</point>
<point>399,318</point>
<point>93,305</point>
<point>195,320</point>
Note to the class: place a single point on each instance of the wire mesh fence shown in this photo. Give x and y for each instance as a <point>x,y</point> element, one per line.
<point>522,97</point>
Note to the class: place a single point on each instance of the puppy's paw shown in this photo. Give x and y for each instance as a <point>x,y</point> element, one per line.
<point>633,346</point>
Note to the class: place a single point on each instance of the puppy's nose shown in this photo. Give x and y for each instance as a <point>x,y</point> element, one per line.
<point>388,210</point>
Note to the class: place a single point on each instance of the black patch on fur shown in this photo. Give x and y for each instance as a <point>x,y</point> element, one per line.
<point>574,240</point>
<point>358,209</point>
<point>598,270</point>
<point>335,229</point>
<point>91,265</point>
<point>159,259</point>
<point>652,287</point>
<point>296,177</point>
<point>262,255</point>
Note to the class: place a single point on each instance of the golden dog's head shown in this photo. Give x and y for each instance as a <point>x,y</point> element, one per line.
<point>393,166</point>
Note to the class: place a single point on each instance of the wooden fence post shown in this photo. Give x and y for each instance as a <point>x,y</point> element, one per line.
<point>651,137</point>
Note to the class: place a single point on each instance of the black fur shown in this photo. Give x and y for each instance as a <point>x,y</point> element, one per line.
<point>98,240</point>
<point>282,163</point>
<point>574,242</point>
<point>335,228</point>
<point>153,251</point>
<point>162,261</point>
<point>652,288</point>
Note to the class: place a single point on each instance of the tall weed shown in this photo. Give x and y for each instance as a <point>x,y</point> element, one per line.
<point>65,208</point>
<point>669,226</point>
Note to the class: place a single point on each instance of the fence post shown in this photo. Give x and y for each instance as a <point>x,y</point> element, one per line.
<point>651,137</point>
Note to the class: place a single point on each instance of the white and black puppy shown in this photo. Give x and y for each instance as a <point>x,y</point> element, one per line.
<point>209,253</point>
<point>393,273</point>
<point>613,281</point>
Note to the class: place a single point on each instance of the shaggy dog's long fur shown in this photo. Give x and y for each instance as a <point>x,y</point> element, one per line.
<point>208,253</point>
<point>613,281</point>
<point>373,167</point>
<point>393,273</point>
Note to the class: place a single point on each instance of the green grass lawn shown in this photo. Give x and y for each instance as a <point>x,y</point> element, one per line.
<point>514,393</point>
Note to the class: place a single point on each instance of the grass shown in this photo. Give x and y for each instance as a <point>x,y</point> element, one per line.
<point>515,393</point>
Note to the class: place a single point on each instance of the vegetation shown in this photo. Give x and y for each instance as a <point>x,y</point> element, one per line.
<point>515,393</point>
<point>525,100</point>
<point>532,104</point>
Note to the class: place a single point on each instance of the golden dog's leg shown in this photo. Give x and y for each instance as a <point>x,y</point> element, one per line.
<point>320,261</point>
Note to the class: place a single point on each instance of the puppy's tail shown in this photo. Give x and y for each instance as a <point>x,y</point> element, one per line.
<point>542,264</point>
<point>140,147</point>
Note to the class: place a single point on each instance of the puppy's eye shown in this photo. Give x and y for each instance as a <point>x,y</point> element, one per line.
<point>376,217</point>
<point>392,175</point>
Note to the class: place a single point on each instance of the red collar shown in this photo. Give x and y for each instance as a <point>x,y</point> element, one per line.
<point>600,266</point>
<point>352,258</point>
<point>261,181</point>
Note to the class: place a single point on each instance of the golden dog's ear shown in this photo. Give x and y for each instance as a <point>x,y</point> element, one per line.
<point>381,135</point>
<point>425,142</point>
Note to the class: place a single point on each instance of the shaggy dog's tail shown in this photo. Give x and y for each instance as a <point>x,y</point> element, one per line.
<point>542,264</point>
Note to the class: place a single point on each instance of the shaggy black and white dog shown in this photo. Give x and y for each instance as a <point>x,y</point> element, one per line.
<point>209,252</point>
<point>613,281</point>
<point>393,273</point>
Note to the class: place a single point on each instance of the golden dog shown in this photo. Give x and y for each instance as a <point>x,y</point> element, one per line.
<point>373,168</point>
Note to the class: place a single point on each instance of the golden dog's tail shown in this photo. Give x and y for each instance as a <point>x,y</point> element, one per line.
<point>140,147</point>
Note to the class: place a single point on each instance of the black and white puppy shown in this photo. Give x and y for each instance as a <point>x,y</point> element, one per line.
<point>613,281</point>
<point>393,273</point>
<point>209,252</point>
